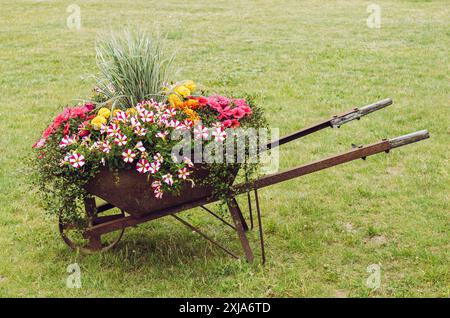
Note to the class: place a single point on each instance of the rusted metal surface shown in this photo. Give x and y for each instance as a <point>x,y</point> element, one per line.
<point>206,237</point>
<point>234,211</point>
<point>261,234</point>
<point>217,217</point>
<point>131,191</point>
<point>314,166</point>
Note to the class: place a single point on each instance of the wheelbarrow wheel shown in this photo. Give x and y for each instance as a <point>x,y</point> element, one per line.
<point>73,235</point>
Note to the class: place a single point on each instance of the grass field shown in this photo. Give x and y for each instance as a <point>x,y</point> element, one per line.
<point>305,60</point>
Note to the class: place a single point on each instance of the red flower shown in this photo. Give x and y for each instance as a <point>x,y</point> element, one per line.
<point>238,112</point>
<point>233,123</point>
<point>66,128</point>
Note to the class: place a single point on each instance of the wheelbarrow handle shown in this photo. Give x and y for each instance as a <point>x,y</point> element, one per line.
<point>409,138</point>
<point>360,152</point>
<point>335,121</point>
<point>357,113</point>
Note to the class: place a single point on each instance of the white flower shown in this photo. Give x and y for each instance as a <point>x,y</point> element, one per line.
<point>167,178</point>
<point>76,160</point>
<point>128,156</point>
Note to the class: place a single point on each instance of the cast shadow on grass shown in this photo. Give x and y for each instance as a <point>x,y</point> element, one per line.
<point>160,246</point>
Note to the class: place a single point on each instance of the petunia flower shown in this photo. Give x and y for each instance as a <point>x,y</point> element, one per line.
<point>128,156</point>
<point>154,167</point>
<point>200,132</point>
<point>158,193</point>
<point>238,112</point>
<point>143,166</point>
<point>103,128</point>
<point>106,147</point>
<point>147,116</point>
<point>66,141</point>
<point>188,161</point>
<point>162,134</point>
<point>121,140</point>
<point>140,131</point>
<point>167,178</point>
<point>173,123</point>
<point>158,157</point>
<point>76,160</point>
<point>219,135</point>
<point>113,130</point>
<point>139,146</point>
<point>183,173</point>
<point>170,112</point>
<point>121,116</point>
<point>134,122</point>
<point>156,184</point>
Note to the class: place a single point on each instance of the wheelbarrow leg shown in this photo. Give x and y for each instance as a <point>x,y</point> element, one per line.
<point>95,241</point>
<point>237,218</point>
<point>241,216</point>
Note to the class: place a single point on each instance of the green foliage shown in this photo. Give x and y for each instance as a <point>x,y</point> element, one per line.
<point>134,66</point>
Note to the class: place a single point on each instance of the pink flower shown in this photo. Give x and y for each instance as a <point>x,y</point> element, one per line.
<point>219,135</point>
<point>158,157</point>
<point>217,125</point>
<point>238,112</point>
<point>200,132</point>
<point>106,147</point>
<point>247,110</point>
<point>183,173</point>
<point>121,116</point>
<point>154,167</point>
<point>188,123</point>
<point>240,102</point>
<point>134,122</point>
<point>188,161</point>
<point>233,123</point>
<point>162,134</point>
<point>121,140</point>
<point>39,144</point>
<point>156,184</point>
<point>143,166</point>
<point>76,160</point>
<point>140,131</point>
<point>66,141</point>
<point>103,129</point>
<point>128,156</point>
<point>158,193</point>
<point>147,116</point>
<point>167,178</point>
<point>113,130</point>
<point>139,146</point>
<point>170,112</point>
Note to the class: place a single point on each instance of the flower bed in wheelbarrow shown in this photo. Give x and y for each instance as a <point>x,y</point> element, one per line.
<point>131,153</point>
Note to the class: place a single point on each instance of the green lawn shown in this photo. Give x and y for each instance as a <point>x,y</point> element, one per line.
<point>306,60</point>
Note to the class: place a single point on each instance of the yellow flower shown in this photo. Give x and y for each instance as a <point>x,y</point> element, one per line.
<point>115,112</point>
<point>190,85</point>
<point>174,100</point>
<point>98,121</point>
<point>104,112</point>
<point>192,103</point>
<point>131,111</point>
<point>182,90</point>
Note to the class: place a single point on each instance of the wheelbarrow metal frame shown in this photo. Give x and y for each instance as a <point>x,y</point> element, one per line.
<point>103,226</point>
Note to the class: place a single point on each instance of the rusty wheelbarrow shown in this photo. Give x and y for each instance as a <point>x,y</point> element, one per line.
<point>129,192</point>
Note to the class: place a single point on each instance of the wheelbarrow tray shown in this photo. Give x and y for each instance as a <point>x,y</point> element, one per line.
<point>131,191</point>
